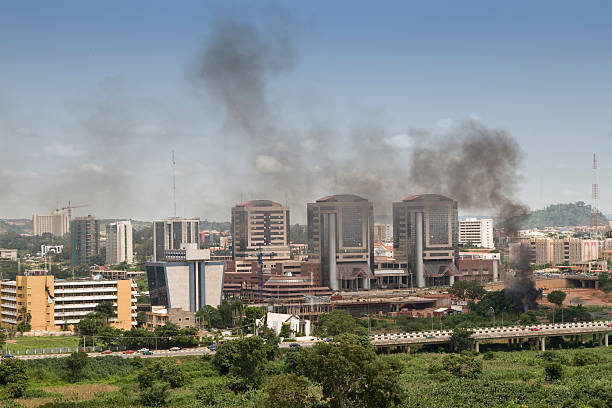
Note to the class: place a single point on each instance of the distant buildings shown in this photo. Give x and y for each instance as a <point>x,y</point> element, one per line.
<point>383,233</point>
<point>479,265</point>
<point>56,223</point>
<point>119,243</point>
<point>172,233</point>
<point>425,236</point>
<point>84,239</point>
<point>260,227</point>
<point>477,232</point>
<point>555,250</point>
<point>56,305</point>
<point>187,279</point>
<point>8,254</point>
<point>341,238</point>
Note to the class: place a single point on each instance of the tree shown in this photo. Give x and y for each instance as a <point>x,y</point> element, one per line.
<point>339,321</point>
<point>141,319</point>
<point>105,309</point>
<point>75,363</point>
<point>146,377</point>
<point>290,391</point>
<point>244,359</point>
<point>475,290</point>
<point>557,297</point>
<point>351,375</point>
<point>170,372</point>
<point>459,289</point>
<point>461,340</point>
<point>2,338</point>
<point>26,318</point>
<point>285,331</point>
<point>210,316</point>
<point>250,315</point>
<point>90,324</point>
<point>12,370</point>
<point>109,336</point>
<point>225,308</point>
<point>462,365</point>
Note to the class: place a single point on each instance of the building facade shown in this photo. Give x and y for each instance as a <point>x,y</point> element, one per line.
<point>187,279</point>
<point>56,223</point>
<point>383,233</point>
<point>55,305</point>
<point>260,228</point>
<point>478,232</point>
<point>341,238</point>
<point>84,239</point>
<point>172,233</point>
<point>119,243</point>
<point>8,254</point>
<point>425,237</point>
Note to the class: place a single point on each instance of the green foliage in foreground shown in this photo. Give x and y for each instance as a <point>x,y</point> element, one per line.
<point>303,379</point>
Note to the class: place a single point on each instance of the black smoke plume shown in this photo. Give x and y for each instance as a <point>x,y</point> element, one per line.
<point>521,291</point>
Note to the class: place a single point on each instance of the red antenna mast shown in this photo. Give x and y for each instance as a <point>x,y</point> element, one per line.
<point>595,222</point>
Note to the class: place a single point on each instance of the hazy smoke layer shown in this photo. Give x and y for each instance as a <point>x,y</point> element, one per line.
<point>471,163</point>
<point>474,165</point>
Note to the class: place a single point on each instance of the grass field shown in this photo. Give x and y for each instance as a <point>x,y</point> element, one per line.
<point>508,379</point>
<point>23,343</point>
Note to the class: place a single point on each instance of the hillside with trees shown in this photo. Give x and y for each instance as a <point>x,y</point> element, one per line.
<point>562,215</point>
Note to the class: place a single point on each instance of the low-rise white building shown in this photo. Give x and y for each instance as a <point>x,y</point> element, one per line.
<point>275,321</point>
<point>479,232</point>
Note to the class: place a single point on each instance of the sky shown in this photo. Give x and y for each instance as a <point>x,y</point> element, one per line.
<point>292,101</point>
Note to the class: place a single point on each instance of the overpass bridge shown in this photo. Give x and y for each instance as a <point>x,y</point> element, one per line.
<point>513,334</point>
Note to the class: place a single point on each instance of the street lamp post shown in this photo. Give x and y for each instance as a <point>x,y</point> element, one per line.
<point>493,311</point>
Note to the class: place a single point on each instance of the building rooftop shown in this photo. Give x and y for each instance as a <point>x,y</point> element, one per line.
<point>427,197</point>
<point>341,198</point>
<point>259,203</point>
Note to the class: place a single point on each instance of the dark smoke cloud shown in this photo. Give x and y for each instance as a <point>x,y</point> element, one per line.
<point>521,290</point>
<point>475,165</point>
<point>469,162</point>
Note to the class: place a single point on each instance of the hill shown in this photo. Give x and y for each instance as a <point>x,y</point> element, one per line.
<point>562,215</point>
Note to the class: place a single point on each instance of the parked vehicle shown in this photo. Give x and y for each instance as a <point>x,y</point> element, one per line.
<point>142,350</point>
<point>175,348</point>
<point>129,352</point>
<point>147,352</point>
<point>212,347</point>
<point>295,345</point>
<point>106,352</point>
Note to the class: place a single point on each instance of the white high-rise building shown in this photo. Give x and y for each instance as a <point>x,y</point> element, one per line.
<point>479,232</point>
<point>119,243</point>
<point>173,233</point>
<point>56,223</point>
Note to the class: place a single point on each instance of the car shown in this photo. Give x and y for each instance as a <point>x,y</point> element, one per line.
<point>212,347</point>
<point>175,348</point>
<point>106,352</point>
<point>8,356</point>
<point>328,339</point>
<point>142,350</point>
<point>429,336</point>
<point>129,352</point>
<point>294,345</point>
<point>147,353</point>
<point>535,329</point>
<point>609,324</point>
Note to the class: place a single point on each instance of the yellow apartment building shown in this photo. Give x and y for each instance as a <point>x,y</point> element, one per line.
<point>55,305</point>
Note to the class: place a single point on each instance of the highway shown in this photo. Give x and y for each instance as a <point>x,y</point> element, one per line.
<point>512,333</point>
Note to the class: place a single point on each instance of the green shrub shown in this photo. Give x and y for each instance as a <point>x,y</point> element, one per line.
<point>462,365</point>
<point>554,371</point>
<point>582,358</point>
<point>155,396</point>
<point>145,379</point>
<point>489,355</point>
<point>16,389</point>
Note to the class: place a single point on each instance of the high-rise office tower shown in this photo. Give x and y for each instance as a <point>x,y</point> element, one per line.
<point>84,239</point>
<point>260,227</point>
<point>172,233</point>
<point>341,238</point>
<point>425,236</point>
<point>119,243</point>
<point>56,223</point>
<point>479,232</point>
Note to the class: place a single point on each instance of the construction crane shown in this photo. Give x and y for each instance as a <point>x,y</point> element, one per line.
<point>69,207</point>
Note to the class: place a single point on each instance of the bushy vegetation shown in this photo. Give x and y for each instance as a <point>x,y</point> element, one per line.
<point>562,215</point>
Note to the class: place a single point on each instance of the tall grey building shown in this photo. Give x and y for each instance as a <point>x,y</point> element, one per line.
<point>425,236</point>
<point>119,243</point>
<point>172,233</point>
<point>84,239</point>
<point>341,238</point>
<point>260,226</point>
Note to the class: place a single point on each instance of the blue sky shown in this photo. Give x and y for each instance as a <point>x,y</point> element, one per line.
<point>539,70</point>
